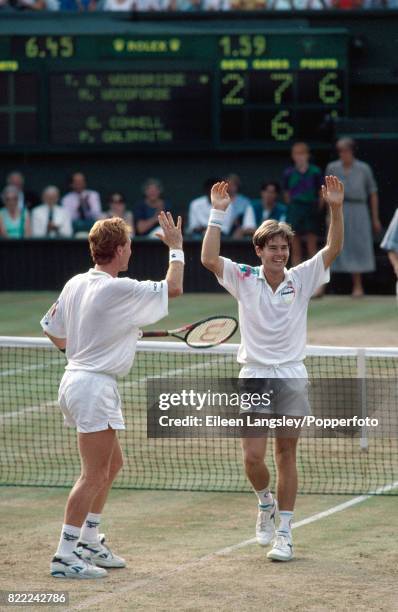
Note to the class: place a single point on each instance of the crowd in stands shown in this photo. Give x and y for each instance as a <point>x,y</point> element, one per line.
<point>193,5</point>
<point>296,199</point>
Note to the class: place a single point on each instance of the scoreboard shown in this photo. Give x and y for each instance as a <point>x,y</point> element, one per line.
<point>240,90</point>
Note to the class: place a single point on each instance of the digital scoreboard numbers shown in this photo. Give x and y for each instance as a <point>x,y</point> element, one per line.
<point>269,98</point>
<point>173,90</point>
<point>131,108</point>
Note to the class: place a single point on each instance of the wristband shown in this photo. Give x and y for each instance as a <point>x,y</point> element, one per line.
<point>216,218</point>
<point>176,255</point>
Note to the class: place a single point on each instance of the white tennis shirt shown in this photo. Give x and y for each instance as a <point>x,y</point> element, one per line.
<point>273,326</point>
<point>100,317</point>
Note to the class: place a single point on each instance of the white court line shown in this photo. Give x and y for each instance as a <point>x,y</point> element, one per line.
<point>142,582</point>
<point>122,383</point>
<point>17,413</point>
<point>31,368</point>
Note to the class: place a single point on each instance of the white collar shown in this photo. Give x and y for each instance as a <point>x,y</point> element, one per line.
<point>284,282</point>
<point>94,272</point>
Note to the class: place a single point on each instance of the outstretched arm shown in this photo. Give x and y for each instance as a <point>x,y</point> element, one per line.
<point>220,201</point>
<point>172,237</point>
<point>333,194</point>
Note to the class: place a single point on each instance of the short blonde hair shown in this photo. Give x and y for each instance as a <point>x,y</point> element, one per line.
<point>104,238</point>
<point>271,228</point>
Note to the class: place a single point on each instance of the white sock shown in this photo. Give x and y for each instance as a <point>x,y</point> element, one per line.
<point>68,541</point>
<point>89,532</point>
<point>285,525</point>
<point>264,497</point>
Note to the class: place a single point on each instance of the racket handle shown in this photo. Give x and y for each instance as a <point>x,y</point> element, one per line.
<point>154,334</point>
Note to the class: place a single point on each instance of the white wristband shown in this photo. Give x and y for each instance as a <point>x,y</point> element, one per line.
<point>176,255</point>
<point>216,218</point>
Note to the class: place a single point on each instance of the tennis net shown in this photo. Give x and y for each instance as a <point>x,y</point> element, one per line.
<point>36,449</point>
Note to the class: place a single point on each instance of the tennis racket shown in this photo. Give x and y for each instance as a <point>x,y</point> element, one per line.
<point>202,334</point>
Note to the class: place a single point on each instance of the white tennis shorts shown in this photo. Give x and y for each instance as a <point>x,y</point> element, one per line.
<point>288,397</point>
<point>90,401</point>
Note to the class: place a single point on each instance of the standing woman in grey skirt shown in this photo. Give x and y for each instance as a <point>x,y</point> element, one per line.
<point>360,190</point>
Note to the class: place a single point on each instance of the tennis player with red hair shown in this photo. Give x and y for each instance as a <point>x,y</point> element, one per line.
<point>96,321</point>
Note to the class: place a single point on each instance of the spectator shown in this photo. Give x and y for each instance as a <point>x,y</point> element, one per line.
<point>117,208</point>
<point>390,243</point>
<point>31,5</point>
<point>302,192</point>
<point>146,211</point>
<point>77,6</point>
<point>49,220</point>
<point>118,5</point>
<point>241,207</point>
<point>151,5</point>
<point>269,206</point>
<point>26,199</point>
<point>360,186</point>
<point>189,5</point>
<point>82,204</point>
<point>14,222</point>
<point>199,212</point>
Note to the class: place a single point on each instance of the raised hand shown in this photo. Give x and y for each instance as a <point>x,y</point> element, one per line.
<point>219,196</point>
<point>171,234</point>
<point>333,192</point>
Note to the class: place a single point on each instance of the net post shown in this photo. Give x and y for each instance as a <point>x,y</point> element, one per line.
<point>361,374</point>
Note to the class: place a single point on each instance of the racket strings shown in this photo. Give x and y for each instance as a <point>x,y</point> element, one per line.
<point>212,332</point>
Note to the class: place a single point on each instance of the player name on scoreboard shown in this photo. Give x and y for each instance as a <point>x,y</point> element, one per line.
<point>127,108</point>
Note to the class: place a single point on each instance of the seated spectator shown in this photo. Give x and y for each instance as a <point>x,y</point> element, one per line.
<point>49,220</point>
<point>199,212</point>
<point>302,183</point>
<point>77,6</point>
<point>26,199</point>
<point>118,5</point>
<point>117,208</point>
<point>146,211</point>
<point>82,204</point>
<point>14,222</point>
<point>269,206</point>
<point>151,5</point>
<point>31,5</point>
<point>241,207</point>
<point>248,5</point>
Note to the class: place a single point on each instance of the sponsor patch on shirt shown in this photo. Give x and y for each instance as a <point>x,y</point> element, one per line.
<point>288,293</point>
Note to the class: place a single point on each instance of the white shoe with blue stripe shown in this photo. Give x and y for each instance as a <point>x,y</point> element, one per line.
<point>99,553</point>
<point>282,549</point>
<point>265,526</point>
<point>75,567</point>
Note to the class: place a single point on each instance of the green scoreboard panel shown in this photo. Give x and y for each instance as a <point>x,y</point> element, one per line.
<point>189,91</point>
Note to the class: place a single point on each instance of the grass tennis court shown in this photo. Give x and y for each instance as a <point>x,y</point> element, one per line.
<point>172,539</point>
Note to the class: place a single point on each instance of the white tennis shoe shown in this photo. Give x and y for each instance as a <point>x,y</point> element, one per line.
<point>265,526</point>
<point>76,567</point>
<point>99,553</point>
<point>282,549</point>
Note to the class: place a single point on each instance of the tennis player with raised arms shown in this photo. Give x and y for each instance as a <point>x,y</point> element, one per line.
<point>96,320</point>
<point>273,304</point>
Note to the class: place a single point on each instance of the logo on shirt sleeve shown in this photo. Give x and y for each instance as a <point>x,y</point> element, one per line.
<point>244,271</point>
<point>157,287</point>
<point>50,314</point>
